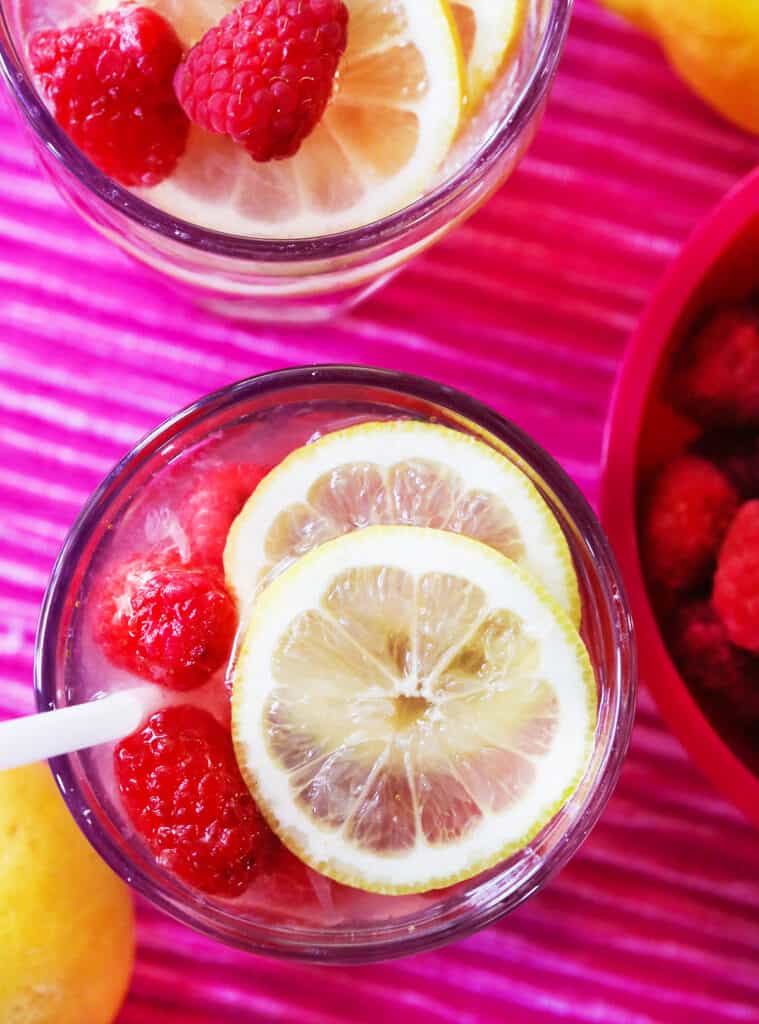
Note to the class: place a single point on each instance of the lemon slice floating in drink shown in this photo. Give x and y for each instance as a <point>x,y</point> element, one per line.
<point>409,707</point>
<point>488,31</point>
<point>397,472</point>
<point>389,126</point>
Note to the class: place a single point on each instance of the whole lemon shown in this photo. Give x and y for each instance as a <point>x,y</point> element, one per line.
<point>713,44</point>
<point>66,921</point>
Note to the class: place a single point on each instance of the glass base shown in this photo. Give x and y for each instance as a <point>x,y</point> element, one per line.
<point>304,309</point>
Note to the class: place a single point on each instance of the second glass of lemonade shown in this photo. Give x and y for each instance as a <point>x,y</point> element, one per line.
<point>421,127</point>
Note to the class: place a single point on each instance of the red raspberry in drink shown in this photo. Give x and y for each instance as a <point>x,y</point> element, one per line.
<point>184,794</point>
<point>216,497</point>
<point>170,623</point>
<point>109,81</point>
<point>265,73</point>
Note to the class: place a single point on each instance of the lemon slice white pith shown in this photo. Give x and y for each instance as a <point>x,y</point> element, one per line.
<point>391,121</point>
<point>488,31</point>
<point>409,707</point>
<point>396,472</point>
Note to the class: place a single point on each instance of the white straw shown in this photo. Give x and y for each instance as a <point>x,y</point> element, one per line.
<point>38,737</point>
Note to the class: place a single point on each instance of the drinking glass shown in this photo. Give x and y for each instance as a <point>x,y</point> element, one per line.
<point>396,925</point>
<point>300,279</point>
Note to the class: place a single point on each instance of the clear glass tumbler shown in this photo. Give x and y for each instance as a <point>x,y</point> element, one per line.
<point>397,925</point>
<point>299,279</point>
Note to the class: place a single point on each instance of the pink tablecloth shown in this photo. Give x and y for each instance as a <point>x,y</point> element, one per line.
<point>657,919</point>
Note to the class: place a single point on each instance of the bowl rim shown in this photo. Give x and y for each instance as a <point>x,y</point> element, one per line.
<point>649,343</point>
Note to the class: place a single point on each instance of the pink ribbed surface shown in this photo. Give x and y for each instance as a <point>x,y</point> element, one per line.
<point>528,307</point>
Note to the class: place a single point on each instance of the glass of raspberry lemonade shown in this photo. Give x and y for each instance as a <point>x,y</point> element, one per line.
<point>279,158</point>
<point>390,661</point>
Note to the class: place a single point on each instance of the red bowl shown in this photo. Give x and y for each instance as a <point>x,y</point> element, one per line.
<point>719,262</point>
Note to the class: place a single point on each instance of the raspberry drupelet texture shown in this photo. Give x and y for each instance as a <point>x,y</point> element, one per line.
<point>716,380</point>
<point>289,882</point>
<point>109,81</point>
<point>185,796</point>
<point>215,499</point>
<point>170,623</point>
<point>265,73</point>
<point>716,670</point>
<point>736,582</point>
<point>687,513</point>
<point>736,454</point>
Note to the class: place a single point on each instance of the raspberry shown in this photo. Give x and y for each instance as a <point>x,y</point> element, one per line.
<point>736,593</point>
<point>185,796</point>
<point>170,623</point>
<point>684,520</point>
<point>287,885</point>
<point>709,663</point>
<point>717,378</point>
<point>736,453</point>
<point>286,873</point>
<point>216,496</point>
<point>264,74</point>
<point>110,83</point>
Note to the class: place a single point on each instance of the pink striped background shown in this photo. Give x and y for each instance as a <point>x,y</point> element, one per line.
<point>657,920</point>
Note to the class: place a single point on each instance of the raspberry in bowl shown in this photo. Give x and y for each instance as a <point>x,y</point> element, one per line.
<point>279,158</point>
<point>391,668</point>
<point>680,492</point>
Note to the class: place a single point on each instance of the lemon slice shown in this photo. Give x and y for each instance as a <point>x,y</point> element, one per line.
<point>396,472</point>
<point>409,708</point>
<point>385,134</point>
<point>488,31</point>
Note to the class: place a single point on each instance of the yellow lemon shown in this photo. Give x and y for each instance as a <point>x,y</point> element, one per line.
<point>66,921</point>
<point>713,44</point>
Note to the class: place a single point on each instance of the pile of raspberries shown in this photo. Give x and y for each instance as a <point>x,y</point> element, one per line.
<point>699,524</point>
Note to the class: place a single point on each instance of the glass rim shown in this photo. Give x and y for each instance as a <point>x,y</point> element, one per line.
<point>290,250</point>
<point>438,927</point>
